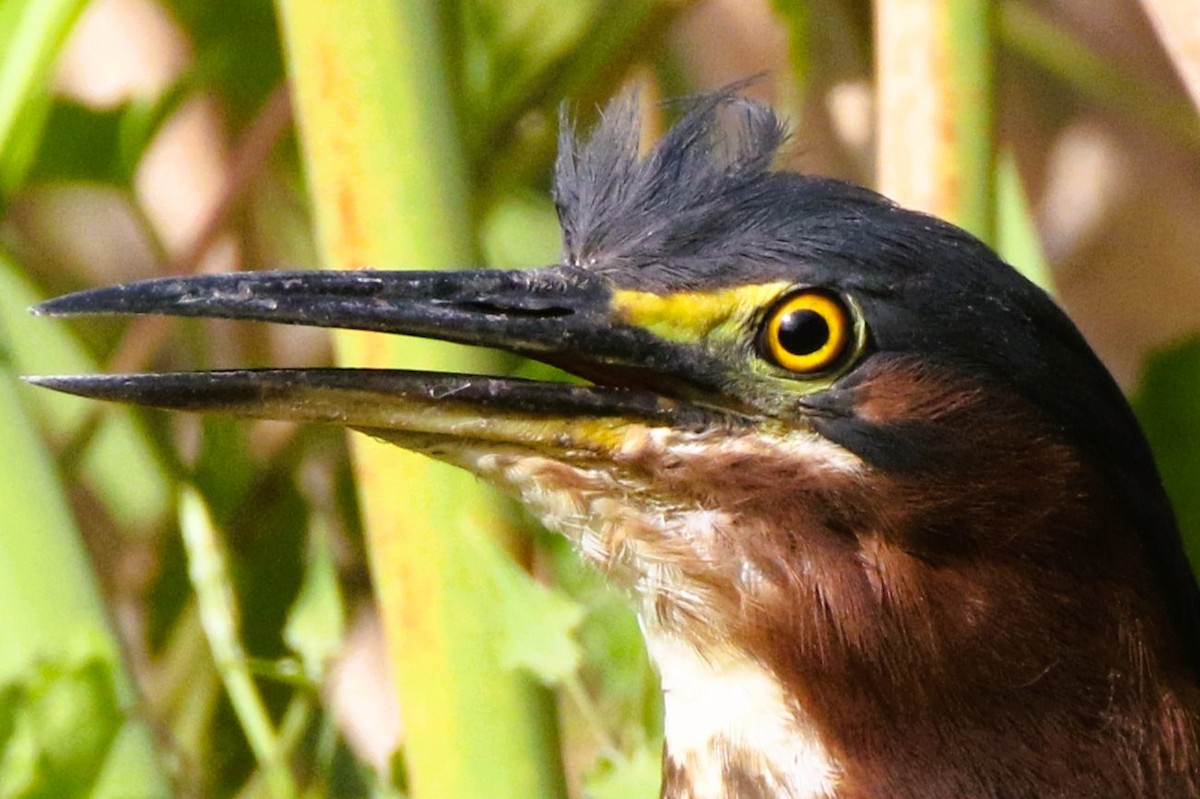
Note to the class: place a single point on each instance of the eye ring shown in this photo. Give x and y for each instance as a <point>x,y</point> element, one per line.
<point>807,332</point>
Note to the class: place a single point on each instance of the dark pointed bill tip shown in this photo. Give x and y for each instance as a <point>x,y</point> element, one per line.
<point>179,391</point>
<point>95,386</point>
<point>284,296</point>
<point>99,301</point>
<point>525,311</point>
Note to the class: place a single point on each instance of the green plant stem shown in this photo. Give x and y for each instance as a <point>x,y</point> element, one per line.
<point>52,606</point>
<point>388,185</point>
<point>971,87</point>
<point>31,34</point>
<point>218,615</point>
<point>49,598</point>
<point>1016,236</point>
<point>1064,56</point>
<point>934,72</point>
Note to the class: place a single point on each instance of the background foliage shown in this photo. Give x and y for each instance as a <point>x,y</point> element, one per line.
<point>188,601</point>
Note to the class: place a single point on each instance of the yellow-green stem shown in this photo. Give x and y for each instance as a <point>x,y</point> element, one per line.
<point>1064,55</point>
<point>387,181</point>
<point>934,77</point>
<point>219,616</point>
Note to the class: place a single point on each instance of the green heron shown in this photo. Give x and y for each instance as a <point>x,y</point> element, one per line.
<point>890,526</point>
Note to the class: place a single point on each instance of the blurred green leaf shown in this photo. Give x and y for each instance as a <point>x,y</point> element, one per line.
<point>628,687</point>
<point>57,717</point>
<point>797,19</point>
<point>1065,54</point>
<point>639,774</point>
<point>80,143</point>
<point>1017,239</point>
<point>614,653</point>
<point>237,52</point>
<point>118,464</point>
<point>31,34</point>
<point>219,615</point>
<point>48,596</point>
<point>19,154</point>
<point>508,48</point>
<point>225,470</point>
<point>523,58</point>
<point>1168,405</point>
<point>316,625</point>
<point>536,624</point>
<point>59,722</point>
<point>57,726</point>
<point>521,231</point>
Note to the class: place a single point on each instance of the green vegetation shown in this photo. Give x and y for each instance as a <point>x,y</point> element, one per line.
<point>180,593</point>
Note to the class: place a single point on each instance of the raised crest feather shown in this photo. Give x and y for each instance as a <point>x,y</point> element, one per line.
<point>704,204</point>
<point>616,203</point>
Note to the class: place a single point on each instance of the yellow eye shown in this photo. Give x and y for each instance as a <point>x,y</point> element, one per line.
<point>807,332</point>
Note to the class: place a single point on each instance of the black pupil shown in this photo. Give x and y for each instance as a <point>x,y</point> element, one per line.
<point>803,332</point>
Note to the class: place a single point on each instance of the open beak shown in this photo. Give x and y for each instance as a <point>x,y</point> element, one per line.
<point>557,315</point>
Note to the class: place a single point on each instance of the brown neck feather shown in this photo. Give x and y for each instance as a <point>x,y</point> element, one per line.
<point>987,626</point>
<point>986,623</point>
<point>996,628</point>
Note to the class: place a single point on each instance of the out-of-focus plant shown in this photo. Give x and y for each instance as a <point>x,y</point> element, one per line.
<point>438,122</point>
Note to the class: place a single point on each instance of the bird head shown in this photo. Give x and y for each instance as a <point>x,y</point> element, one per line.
<point>889,525</point>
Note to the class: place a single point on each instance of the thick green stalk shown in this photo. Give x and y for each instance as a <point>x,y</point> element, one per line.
<point>1064,55</point>
<point>31,33</point>
<point>1016,235</point>
<point>934,74</point>
<point>209,572</point>
<point>67,701</point>
<point>57,639</point>
<point>386,174</point>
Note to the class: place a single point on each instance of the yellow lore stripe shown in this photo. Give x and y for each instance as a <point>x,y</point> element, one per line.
<point>694,315</point>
